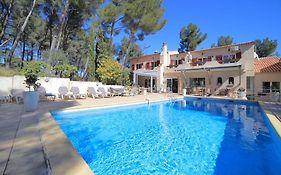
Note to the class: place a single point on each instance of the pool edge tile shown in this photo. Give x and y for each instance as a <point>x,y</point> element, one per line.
<point>276,124</point>
<point>58,149</point>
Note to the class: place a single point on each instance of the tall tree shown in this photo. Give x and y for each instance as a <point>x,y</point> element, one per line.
<point>18,35</point>
<point>134,50</point>
<point>190,38</point>
<point>265,47</point>
<point>6,10</point>
<point>109,17</point>
<point>224,40</point>
<point>141,18</point>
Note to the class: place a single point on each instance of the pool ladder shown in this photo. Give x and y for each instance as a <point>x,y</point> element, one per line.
<point>172,99</point>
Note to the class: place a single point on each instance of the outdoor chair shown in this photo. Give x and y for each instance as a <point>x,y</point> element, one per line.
<point>222,92</point>
<point>117,91</point>
<point>5,97</point>
<point>134,91</point>
<point>76,93</point>
<point>104,93</point>
<point>17,94</point>
<point>43,93</point>
<point>93,93</point>
<point>63,92</point>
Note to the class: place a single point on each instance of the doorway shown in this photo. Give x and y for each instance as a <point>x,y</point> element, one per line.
<point>172,85</point>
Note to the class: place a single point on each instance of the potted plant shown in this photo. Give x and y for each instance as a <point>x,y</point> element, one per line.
<point>31,72</point>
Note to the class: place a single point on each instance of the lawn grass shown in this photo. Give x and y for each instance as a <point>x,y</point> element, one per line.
<point>9,72</point>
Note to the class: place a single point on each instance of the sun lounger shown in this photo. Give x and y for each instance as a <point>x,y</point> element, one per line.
<point>17,94</point>
<point>93,93</point>
<point>117,91</point>
<point>63,92</point>
<point>222,92</point>
<point>104,93</point>
<point>134,91</point>
<point>5,97</point>
<point>76,93</point>
<point>43,93</point>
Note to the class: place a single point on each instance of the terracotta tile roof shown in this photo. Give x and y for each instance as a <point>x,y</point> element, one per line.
<point>267,64</point>
<point>156,55</point>
<point>214,48</point>
<point>238,44</point>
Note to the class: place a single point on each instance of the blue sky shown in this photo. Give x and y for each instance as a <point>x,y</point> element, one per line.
<point>244,20</point>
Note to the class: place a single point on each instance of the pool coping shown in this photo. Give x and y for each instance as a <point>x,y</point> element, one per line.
<point>114,106</point>
<point>60,155</point>
<point>273,119</point>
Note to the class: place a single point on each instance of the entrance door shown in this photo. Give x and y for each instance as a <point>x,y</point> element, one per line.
<point>172,85</point>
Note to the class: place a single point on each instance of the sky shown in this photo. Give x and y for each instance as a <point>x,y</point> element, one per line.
<point>244,20</point>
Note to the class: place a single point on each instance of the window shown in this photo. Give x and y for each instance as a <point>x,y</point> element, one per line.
<point>154,64</point>
<point>133,67</point>
<point>231,80</point>
<point>147,83</point>
<point>147,66</point>
<point>266,87</point>
<point>250,85</point>
<point>139,66</point>
<point>219,58</point>
<point>195,82</point>
<point>275,87</point>
<point>219,82</point>
<point>238,55</point>
<point>180,61</point>
<point>226,59</point>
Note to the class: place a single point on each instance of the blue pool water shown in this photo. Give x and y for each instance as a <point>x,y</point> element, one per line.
<point>189,136</point>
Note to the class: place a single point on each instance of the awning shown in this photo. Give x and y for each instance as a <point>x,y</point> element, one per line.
<point>207,66</point>
<point>146,73</point>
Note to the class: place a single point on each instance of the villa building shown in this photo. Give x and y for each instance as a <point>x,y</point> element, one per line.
<point>214,71</point>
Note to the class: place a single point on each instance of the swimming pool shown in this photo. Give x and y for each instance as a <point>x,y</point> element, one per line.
<point>189,136</point>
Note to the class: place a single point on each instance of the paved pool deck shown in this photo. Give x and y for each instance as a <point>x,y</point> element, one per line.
<point>32,144</point>
<point>273,112</point>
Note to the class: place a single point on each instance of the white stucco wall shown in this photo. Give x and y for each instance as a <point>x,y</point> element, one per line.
<point>51,84</point>
<point>6,84</point>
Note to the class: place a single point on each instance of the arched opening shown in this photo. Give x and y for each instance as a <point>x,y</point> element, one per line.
<point>219,81</point>
<point>231,80</point>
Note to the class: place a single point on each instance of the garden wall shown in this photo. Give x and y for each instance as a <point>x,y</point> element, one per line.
<point>51,84</point>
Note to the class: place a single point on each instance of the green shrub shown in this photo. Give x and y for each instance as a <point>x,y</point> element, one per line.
<point>31,71</point>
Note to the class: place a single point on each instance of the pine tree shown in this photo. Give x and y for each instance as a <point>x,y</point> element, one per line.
<point>18,35</point>
<point>265,47</point>
<point>224,40</point>
<point>190,38</point>
<point>141,18</point>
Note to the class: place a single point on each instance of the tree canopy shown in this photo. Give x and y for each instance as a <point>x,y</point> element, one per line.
<point>265,47</point>
<point>190,37</point>
<point>75,33</point>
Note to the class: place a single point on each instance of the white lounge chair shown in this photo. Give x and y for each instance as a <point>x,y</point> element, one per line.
<point>76,93</point>
<point>117,91</point>
<point>17,94</point>
<point>104,93</point>
<point>134,91</point>
<point>63,92</point>
<point>43,93</point>
<point>93,93</point>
